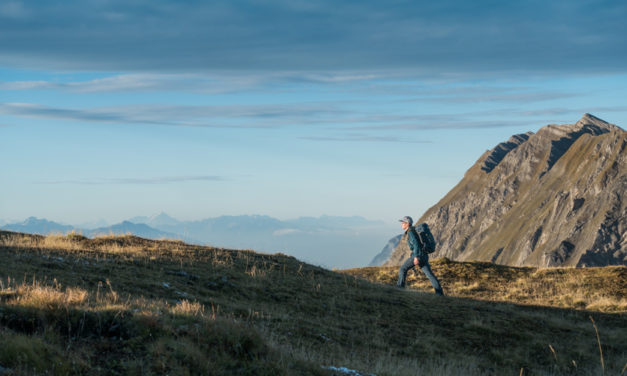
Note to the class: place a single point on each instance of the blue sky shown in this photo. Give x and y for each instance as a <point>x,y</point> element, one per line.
<point>112,109</point>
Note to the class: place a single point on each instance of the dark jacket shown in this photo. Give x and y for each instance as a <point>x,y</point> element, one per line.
<point>414,244</point>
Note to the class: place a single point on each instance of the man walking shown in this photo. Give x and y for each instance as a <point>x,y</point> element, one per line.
<point>418,257</point>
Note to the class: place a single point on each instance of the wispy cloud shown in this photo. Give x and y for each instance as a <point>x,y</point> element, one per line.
<point>139,181</point>
<point>364,138</point>
<point>327,117</point>
<point>457,123</point>
<point>122,83</point>
<point>519,98</point>
<point>146,83</point>
<point>286,231</point>
<point>45,112</point>
<point>226,82</point>
<point>231,116</point>
<point>564,110</point>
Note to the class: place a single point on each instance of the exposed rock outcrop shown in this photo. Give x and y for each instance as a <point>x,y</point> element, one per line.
<point>554,198</point>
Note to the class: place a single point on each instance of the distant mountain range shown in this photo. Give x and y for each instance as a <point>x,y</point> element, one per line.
<point>327,240</point>
<point>34,225</point>
<point>554,198</point>
<point>340,242</point>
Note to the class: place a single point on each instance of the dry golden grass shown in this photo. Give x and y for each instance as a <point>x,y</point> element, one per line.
<point>594,289</point>
<point>48,297</point>
<point>185,307</point>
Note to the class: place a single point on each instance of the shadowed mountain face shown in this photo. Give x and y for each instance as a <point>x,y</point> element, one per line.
<point>382,257</point>
<point>500,151</point>
<point>555,198</point>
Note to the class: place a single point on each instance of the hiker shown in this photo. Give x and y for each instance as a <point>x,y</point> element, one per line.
<point>417,257</point>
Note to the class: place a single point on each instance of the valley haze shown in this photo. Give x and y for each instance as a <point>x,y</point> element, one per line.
<point>332,242</point>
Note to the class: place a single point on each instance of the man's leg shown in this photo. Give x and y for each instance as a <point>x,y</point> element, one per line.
<point>402,273</point>
<point>434,281</point>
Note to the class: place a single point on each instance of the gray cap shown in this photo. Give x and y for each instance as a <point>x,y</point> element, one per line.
<point>407,219</point>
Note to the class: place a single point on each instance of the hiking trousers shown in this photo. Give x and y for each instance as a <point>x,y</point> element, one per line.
<point>425,267</point>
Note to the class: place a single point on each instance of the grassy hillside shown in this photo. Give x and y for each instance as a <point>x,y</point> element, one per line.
<point>125,305</point>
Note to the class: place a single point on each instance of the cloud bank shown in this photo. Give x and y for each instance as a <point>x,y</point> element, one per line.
<point>141,181</point>
<point>370,35</point>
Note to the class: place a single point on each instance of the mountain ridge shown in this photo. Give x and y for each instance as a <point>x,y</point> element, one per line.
<point>42,226</point>
<point>553,199</point>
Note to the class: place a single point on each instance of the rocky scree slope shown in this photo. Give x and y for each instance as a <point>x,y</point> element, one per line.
<point>554,198</point>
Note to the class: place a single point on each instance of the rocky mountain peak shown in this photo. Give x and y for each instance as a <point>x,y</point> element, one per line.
<point>587,124</point>
<point>562,137</point>
<point>594,122</point>
<point>551,198</point>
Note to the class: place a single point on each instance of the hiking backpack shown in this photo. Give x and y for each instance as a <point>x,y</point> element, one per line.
<point>425,237</point>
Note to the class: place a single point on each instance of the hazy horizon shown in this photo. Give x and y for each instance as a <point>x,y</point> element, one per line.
<point>332,242</point>
<point>390,223</point>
